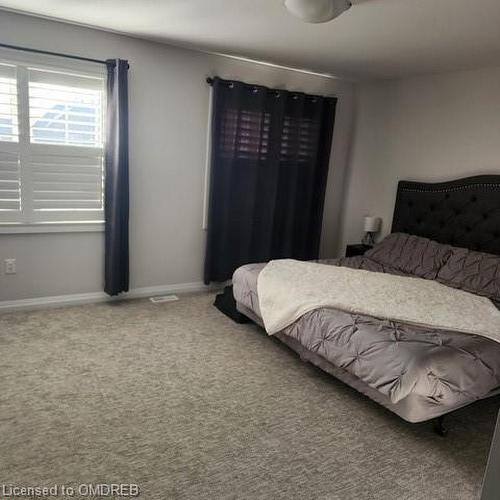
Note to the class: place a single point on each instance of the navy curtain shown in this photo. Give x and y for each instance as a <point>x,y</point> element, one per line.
<point>116,208</point>
<point>269,166</point>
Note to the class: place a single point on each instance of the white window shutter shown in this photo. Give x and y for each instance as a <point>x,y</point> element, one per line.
<point>10,174</point>
<point>9,126</point>
<point>67,186</point>
<point>51,145</point>
<point>10,184</point>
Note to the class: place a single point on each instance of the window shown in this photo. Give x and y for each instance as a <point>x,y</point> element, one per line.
<point>51,145</point>
<point>245,134</point>
<point>8,104</point>
<point>299,139</point>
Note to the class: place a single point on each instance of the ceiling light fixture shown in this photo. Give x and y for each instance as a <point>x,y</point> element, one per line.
<point>317,11</point>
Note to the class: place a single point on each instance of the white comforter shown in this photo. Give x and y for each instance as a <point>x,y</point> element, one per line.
<point>287,289</point>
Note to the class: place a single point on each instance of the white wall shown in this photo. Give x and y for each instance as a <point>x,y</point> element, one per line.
<point>438,127</point>
<point>168,118</point>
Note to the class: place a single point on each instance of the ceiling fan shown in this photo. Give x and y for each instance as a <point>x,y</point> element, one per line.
<point>317,11</point>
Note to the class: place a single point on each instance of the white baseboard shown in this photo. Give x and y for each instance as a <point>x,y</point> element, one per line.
<point>94,297</point>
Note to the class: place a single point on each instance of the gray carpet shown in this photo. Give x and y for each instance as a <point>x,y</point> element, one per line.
<point>189,405</point>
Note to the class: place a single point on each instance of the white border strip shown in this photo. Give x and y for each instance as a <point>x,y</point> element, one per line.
<point>96,297</point>
<point>269,64</point>
<point>206,182</point>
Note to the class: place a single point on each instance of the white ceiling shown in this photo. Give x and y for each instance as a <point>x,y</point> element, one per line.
<point>375,38</point>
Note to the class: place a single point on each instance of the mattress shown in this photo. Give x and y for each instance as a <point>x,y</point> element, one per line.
<point>415,372</point>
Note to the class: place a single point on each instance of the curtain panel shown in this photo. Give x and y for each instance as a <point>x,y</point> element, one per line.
<point>116,188</point>
<point>269,166</point>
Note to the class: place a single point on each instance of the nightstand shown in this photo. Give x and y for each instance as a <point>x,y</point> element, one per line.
<point>359,249</point>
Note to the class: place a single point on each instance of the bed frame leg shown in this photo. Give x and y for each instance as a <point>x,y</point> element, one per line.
<point>439,427</point>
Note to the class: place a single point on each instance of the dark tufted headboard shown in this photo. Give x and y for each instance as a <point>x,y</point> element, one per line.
<point>462,213</point>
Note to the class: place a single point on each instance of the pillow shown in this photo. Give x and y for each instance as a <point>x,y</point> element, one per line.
<point>472,271</point>
<point>362,262</point>
<point>411,254</point>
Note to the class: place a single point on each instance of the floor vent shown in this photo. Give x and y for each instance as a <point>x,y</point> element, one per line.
<point>163,298</point>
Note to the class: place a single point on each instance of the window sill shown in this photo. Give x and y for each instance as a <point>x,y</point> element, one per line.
<point>52,227</point>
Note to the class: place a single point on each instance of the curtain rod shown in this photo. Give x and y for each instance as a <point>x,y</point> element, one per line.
<point>49,53</point>
<point>210,82</point>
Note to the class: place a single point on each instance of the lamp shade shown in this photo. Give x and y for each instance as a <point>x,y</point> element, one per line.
<point>317,11</point>
<point>372,224</point>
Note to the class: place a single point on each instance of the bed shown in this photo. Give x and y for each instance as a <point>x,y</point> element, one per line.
<point>446,232</point>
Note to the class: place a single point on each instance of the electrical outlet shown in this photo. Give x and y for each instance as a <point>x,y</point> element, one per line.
<point>10,266</point>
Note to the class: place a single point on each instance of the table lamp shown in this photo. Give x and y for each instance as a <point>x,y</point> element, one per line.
<point>371,226</point>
